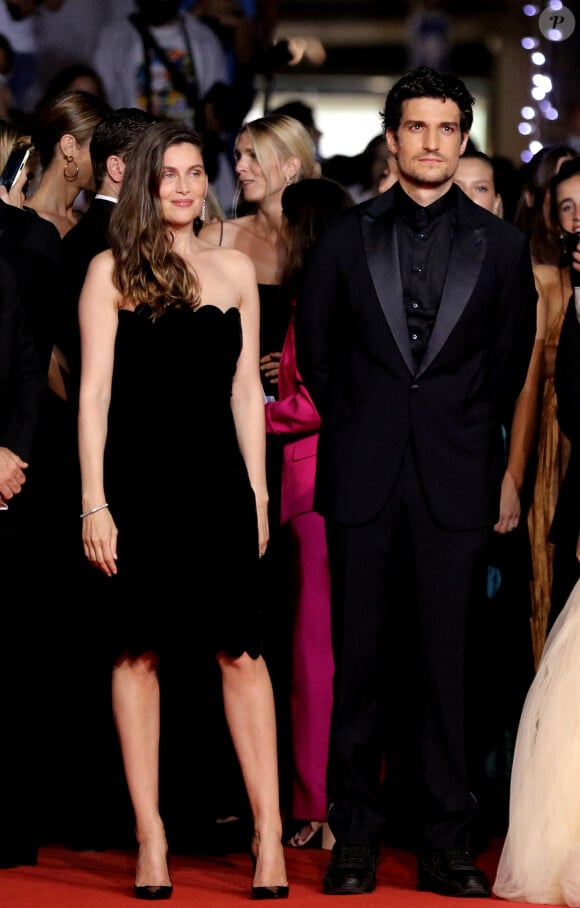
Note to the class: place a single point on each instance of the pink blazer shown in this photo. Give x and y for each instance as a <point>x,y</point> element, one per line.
<point>295,416</point>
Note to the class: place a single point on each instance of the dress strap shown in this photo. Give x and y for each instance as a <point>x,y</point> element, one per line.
<point>221,232</point>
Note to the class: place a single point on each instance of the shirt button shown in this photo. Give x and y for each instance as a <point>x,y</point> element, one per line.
<point>417,269</point>
<point>415,387</point>
<point>414,337</point>
<point>414,305</point>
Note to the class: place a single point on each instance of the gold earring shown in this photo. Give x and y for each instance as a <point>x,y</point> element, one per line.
<point>70,178</point>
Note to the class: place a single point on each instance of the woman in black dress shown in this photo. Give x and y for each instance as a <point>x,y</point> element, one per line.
<point>174,498</point>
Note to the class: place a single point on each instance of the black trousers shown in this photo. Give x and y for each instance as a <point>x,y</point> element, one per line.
<point>445,569</point>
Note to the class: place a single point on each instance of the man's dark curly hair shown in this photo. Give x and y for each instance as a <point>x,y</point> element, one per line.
<point>425,82</point>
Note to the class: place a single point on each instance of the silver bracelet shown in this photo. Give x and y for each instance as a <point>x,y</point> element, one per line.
<point>99,507</point>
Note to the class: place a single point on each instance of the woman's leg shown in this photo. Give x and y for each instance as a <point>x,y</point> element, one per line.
<point>249,709</point>
<point>135,689</point>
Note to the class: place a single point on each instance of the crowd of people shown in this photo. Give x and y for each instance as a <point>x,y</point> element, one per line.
<point>320,424</point>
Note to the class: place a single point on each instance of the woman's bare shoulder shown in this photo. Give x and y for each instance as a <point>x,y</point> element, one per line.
<point>103,259</point>
<point>228,258</point>
<point>101,266</point>
<point>226,234</point>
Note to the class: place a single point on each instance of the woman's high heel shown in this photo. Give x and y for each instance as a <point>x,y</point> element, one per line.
<point>310,834</point>
<point>153,893</point>
<point>261,893</point>
<point>270,892</point>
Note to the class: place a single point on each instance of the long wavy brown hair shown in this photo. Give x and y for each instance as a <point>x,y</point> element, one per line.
<point>147,270</point>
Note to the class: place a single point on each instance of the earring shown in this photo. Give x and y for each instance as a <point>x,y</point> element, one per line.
<point>70,178</point>
<point>202,213</point>
<point>288,181</point>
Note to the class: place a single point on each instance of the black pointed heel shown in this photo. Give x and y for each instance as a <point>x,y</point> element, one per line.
<point>152,893</point>
<point>261,893</point>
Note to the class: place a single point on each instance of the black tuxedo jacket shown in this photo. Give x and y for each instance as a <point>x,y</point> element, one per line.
<point>32,246</point>
<point>22,384</point>
<point>355,357</point>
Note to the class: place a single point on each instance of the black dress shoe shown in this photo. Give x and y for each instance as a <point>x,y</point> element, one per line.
<point>153,893</point>
<point>452,873</point>
<point>351,871</point>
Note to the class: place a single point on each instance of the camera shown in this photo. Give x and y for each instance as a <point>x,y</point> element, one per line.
<point>571,242</point>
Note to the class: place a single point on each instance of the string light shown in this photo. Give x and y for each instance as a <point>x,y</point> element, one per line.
<point>555,23</point>
<point>530,123</point>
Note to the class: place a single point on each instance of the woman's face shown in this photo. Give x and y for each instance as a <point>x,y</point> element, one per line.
<point>548,196</point>
<point>256,185</point>
<point>475,177</point>
<point>183,184</point>
<point>568,204</point>
<point>389,175</point>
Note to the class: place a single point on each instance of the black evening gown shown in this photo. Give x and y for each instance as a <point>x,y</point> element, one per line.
<point>178,488</point>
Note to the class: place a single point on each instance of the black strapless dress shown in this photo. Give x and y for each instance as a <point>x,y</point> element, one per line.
<point>178,488</point>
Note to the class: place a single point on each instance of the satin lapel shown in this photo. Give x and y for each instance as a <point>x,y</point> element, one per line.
<point>468,250</point>
<point>380,247</point>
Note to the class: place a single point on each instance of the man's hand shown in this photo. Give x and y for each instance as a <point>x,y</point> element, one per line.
<point>12,476</point>
<point>270,366</point>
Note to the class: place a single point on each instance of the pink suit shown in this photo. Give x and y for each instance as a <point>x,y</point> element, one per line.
<point>295,416</point>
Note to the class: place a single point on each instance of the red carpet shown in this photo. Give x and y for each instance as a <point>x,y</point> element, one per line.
<point>69,879</point>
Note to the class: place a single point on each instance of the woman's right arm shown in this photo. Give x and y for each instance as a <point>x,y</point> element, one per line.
<point>98,319</point>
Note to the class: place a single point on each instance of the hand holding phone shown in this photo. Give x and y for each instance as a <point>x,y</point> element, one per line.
<point>14,166</point>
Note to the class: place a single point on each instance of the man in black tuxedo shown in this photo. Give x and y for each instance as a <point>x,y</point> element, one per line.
<point>415,325</point>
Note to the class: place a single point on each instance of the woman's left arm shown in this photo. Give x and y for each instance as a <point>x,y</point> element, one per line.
<point>247,394</point>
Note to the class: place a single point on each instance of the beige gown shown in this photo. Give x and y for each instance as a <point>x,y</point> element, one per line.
<point>540,861</point>
<point>553,454</point>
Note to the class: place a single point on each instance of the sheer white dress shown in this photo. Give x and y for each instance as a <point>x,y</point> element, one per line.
<point>540,861</point>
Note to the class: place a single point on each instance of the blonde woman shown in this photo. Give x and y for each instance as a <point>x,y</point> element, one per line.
<point>271,153</point>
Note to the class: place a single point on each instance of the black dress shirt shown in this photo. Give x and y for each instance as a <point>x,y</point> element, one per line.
<point>424,238</point>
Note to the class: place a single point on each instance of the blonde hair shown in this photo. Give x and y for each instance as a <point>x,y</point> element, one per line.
<point>10,137</point>
<point>281,137</point>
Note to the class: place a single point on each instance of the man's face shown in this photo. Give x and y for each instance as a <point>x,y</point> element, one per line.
<point>428,142</point>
